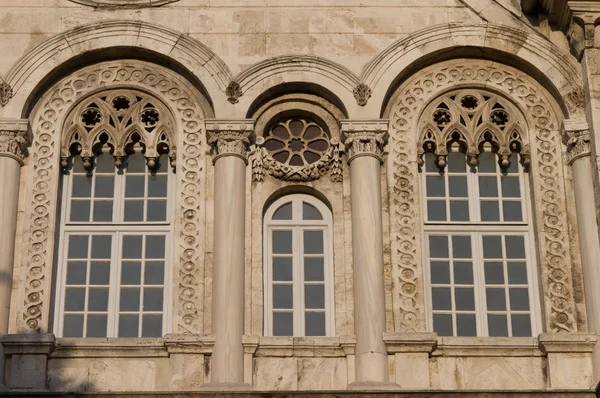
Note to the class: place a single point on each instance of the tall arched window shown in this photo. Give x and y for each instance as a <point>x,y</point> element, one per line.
<point>480,250</point>
<point>298,268</point>
<point>115,226</point>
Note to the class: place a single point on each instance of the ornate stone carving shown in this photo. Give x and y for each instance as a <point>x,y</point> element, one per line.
<point>188,108</point>
<point>14,139</point>
<point>229,137</point>
<point>233,92</point>
<point>6,93</point>
<point>362,93</point>
<point>364,138</point>
<point>576,136</point>
<point>553,241</point>
<point>123,3</point>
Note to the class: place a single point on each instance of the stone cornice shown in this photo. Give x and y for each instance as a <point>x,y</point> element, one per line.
<point>14,138</point>
<point>364,137</point>
<point>229,137</point>
<point>576,136</point>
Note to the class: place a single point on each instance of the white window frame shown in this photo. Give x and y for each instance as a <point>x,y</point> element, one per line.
<point>297,225</point>
<point>476,229</point>
<point>117,230</point>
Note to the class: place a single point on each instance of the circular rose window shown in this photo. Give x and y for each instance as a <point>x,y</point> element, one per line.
<point>296,142</point>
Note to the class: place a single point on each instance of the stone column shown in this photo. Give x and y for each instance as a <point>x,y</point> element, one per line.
<point>13,140</point>
<point>576,137</point>
<point>364,141</point>
<point>230,140</point>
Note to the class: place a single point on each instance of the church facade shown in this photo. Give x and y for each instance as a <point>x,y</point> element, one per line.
<point>329,196</point>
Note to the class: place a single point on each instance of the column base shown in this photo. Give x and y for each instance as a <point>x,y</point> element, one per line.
<point>374,386</point>
<point>225,386</point>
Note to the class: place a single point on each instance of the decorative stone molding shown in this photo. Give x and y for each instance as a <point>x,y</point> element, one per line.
<point>229,137</point>
<point>188,109</point>
<point>410,342</point>
<point>14,139</point>
<point>6,93</point>
<point>576,136</point>
<point>233,92</point>
<point>29,360</point>
<point>362,93</point>
<point>406,105</point>
<point>364,138</point>
<point>123,3</point>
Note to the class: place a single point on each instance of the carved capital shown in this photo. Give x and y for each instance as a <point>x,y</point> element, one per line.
<point>576,136</point>
<point>229,137</point>
<point>580,31</point>
<point>364,138</point>
<point>14,138</point>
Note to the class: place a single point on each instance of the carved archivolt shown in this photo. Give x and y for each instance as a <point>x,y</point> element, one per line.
<point>48,122</point>
<point>404,111</point>
<point>124,3</point>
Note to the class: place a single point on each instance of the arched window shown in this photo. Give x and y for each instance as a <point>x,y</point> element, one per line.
<point>480,250</point>
<point>298,268</point>
<point>115,226</point>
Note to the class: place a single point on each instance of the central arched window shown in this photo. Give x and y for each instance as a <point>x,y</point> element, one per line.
<point>297,268</point>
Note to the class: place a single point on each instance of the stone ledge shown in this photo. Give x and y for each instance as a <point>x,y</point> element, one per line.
<point>28,344</point>
<point>109,348</point>
<point>300,347</point>
<point>487,347</point>
<point>410,342</point>
<point>568,342</point>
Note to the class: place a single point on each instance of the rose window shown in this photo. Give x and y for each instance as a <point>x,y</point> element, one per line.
<point>297,142</point>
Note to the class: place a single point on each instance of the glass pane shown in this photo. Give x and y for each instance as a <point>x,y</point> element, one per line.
<point>441,299</point>
<point>82,186</point>
<point>103,210</point>
<point>314,296</point>
<point>132,246</point>
<point>136,163</point>
<point>487,162</point>
<point>157,186</point>
<point>510,187</point>
<point>521,325</point>
<point>96,325</point>
<point>463,272</point>
<point>154,273</point>
<point>134,210</point>
<point>512,211</point>
<point>513,166</point>
<point>152,325</point>
<point>134,186</point>
<point>78,165</point>
<point>76,272</point>
<point>457,162</point>
<point>488,187</point>
<point>283,324</point>
<point>489,211</point>
<point>309,212</point>
<point>497,325</point>
<point>105,163</point>
<point>284,212</point>
<point>442,324</point>
<point>153,299</point>
<point>78,246</point>
<point>80,210</point>
<point>314,323</point>
<point>283,296</point>
<point>157,210</point>
<point>130,299</point>
<point>99,273</point>
<point>459,210</point>
<point>519,299</point>
<point>438,247</point>
<point>105,186</point>
<point>131,272</point>
<point>517,272</point>
<point>282,269</point>
<point>494,272</point>
<point>436,210</point>
<point>435,186</point>
<point>440,272</point>
<point>430,162</point>
<point>128,325</point>
<point>313,242</point>
<point>464,299</point>
<point>155,246</point>
<point>74,299</point>
<point>496,299</point>
<point>515,247</point>
<point>282,242</point>
<point>101,246</point>
<point>314,269</point>
<point>461,246</point>
<point>458,186</point>
<point>73,326</point>
<point>466,325</point>
<point>492,247</point>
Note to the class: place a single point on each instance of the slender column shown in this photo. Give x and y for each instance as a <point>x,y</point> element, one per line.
<point>364,141</point>
<point>229,140</point>
<point>576,137</point>
<point>13,140</point>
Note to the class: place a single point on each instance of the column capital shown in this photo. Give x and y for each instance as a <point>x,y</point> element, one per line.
<point>576,136</point>
<point>14,138</point>
<point>229,137</point>
<point>364,137</point>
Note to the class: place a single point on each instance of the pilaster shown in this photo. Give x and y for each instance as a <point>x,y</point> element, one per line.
<point>29,360</point>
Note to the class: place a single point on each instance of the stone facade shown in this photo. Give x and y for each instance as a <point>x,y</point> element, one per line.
<point>366,79</point>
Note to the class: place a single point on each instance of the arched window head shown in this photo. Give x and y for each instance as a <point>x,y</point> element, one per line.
<point>115,227</point>
<point>298,268</point>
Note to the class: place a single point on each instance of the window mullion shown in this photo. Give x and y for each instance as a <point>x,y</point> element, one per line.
<point>298,283</point>
<point>479,279</point>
